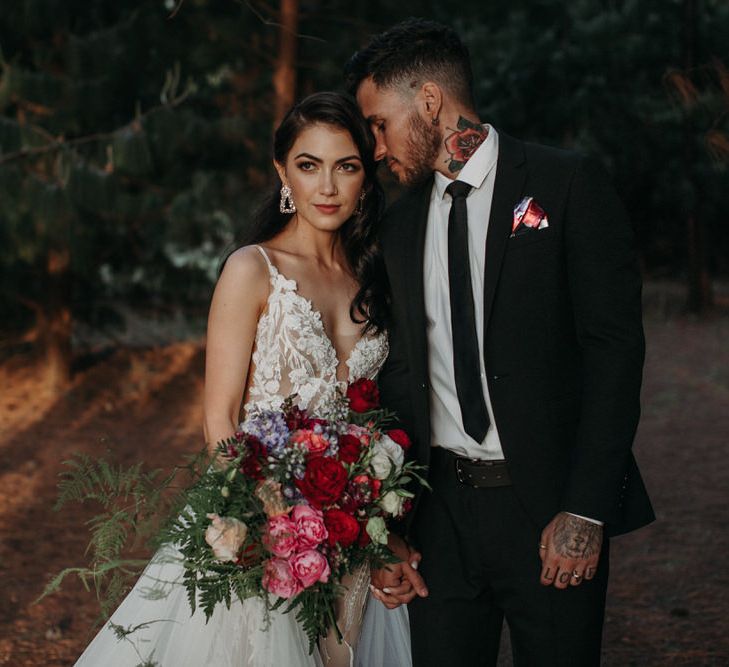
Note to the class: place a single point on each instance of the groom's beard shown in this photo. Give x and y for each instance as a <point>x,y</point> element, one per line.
<point>423,146</point>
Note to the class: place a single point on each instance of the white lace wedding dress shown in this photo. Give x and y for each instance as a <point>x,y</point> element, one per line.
<point>292,354</point>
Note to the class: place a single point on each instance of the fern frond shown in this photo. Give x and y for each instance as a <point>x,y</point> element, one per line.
<point>88,479</point>
<point>109,535</point>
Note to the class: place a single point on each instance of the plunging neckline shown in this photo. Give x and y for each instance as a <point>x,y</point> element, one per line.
<point>293,288</point>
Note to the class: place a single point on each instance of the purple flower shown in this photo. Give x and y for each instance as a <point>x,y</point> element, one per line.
<point>269,426</point>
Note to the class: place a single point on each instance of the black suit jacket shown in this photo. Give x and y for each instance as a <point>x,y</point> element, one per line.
<point>563,341</point>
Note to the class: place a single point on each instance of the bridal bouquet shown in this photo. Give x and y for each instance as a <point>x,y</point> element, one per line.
<point>293,505</point>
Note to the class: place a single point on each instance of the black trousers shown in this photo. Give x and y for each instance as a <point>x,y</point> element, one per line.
<point>481,564</point>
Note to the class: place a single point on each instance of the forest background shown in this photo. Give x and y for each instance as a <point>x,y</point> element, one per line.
<point>135,143</point>
<point>135,136</point>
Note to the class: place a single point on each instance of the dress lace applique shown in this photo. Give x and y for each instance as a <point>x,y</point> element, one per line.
<point>293,354</point>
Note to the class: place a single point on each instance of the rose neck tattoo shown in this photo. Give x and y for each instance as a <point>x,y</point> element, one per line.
<point>577,538</point>
<point>462,143</point>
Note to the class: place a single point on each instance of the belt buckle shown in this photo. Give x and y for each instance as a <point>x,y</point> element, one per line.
<point>461,475</point>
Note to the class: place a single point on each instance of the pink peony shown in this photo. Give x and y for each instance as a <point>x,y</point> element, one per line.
<point>279,579</point>
<point>309,567</point>
<point>309,524</point>
<point>280,536</point>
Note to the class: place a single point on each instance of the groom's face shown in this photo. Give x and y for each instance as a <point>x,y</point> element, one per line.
<point>404,140</point>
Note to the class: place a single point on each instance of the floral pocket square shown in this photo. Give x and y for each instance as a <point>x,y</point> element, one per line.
<point>528,215</point>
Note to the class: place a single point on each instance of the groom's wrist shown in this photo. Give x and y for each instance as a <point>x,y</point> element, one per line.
<point>587,518</point>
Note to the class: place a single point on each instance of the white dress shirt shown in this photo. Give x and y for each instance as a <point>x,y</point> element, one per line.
<point>445,411</point>
<point>446,422</point>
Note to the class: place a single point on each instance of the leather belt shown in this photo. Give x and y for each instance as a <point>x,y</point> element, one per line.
<point>478,473</point>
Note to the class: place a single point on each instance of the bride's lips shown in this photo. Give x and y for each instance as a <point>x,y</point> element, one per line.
<point>328,209</point>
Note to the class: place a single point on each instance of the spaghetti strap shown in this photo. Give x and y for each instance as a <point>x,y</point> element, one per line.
<point>273,271</point>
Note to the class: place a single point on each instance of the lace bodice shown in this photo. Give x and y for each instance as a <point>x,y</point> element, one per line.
<point>292,353</point>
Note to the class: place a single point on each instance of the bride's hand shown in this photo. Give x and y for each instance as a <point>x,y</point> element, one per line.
<point>398,583</point>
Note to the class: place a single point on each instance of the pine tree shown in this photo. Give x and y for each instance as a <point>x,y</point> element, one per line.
<point>127,156</point>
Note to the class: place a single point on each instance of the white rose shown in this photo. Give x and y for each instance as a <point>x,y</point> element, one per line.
<point>377,530</point>
<point>386,453</point>
<point>381,464</point>
<point>225,535</point>
<point>392,503</point>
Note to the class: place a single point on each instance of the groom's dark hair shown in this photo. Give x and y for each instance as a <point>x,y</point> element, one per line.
<point>411,53</point>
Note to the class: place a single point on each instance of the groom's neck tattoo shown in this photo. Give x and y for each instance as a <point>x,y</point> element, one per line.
<point>462,143</point>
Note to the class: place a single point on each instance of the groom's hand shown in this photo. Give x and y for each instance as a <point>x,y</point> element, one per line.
<point>398,583</point>
<point>569,549</point>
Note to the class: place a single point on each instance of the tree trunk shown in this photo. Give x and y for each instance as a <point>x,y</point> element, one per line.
<point>284,76</point>
<point>56,322</point>
<point>700,297</point>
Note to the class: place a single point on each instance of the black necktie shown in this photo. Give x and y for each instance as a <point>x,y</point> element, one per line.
<point>466,364</point>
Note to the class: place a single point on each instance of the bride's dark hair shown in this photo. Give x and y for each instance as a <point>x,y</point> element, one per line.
<point>359,233</point>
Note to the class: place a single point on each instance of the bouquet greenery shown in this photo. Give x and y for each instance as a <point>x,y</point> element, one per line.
<point>290,506</point>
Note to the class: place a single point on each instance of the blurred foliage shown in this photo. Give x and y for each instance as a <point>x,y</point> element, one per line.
<point>137,133</point>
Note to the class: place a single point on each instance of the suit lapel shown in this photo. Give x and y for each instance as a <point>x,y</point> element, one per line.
<point>508,187</point>
<point>413,258</point>
<point>413,251</point>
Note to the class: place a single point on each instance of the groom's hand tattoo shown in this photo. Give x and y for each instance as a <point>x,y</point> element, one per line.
<point>569,548</point>
<point>462,143</point>
<point>577,538</point>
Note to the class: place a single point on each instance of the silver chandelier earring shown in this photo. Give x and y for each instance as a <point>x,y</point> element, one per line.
<point>360,204</point>
<point>286,204</point>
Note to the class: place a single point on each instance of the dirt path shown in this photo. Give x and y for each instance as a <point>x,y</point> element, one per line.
<point>669,594</point>
<point>668,603</point>
<point>135,405</point>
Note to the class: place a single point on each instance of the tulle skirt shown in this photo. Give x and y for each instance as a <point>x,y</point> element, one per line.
<point>153,625</point>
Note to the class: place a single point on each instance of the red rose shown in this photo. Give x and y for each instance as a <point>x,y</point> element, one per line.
<point>256,453</point>
<point>323,482</point>
<point>363,395</point>
<point>400,437</point>
<point>349,448</point>
<point>343,528</point>
<point>463,143</point>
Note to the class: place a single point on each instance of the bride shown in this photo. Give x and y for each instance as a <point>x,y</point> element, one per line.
<point>300,310</point>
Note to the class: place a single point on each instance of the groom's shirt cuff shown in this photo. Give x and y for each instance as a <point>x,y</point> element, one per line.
<point>587,518</point>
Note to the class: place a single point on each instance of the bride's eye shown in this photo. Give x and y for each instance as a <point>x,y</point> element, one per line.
<point>351,167</point>
<point>306,166</point>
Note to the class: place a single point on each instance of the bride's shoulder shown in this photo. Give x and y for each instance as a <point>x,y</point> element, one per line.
<point>245,268</point>
<point>247,258</point>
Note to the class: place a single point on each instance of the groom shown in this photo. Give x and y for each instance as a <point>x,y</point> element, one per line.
<point>516,358</point>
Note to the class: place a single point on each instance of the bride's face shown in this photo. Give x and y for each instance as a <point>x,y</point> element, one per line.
<point>325,173</point>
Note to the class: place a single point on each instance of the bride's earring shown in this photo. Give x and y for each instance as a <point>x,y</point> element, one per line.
<point>360,204</point>
<point>286,204</point>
